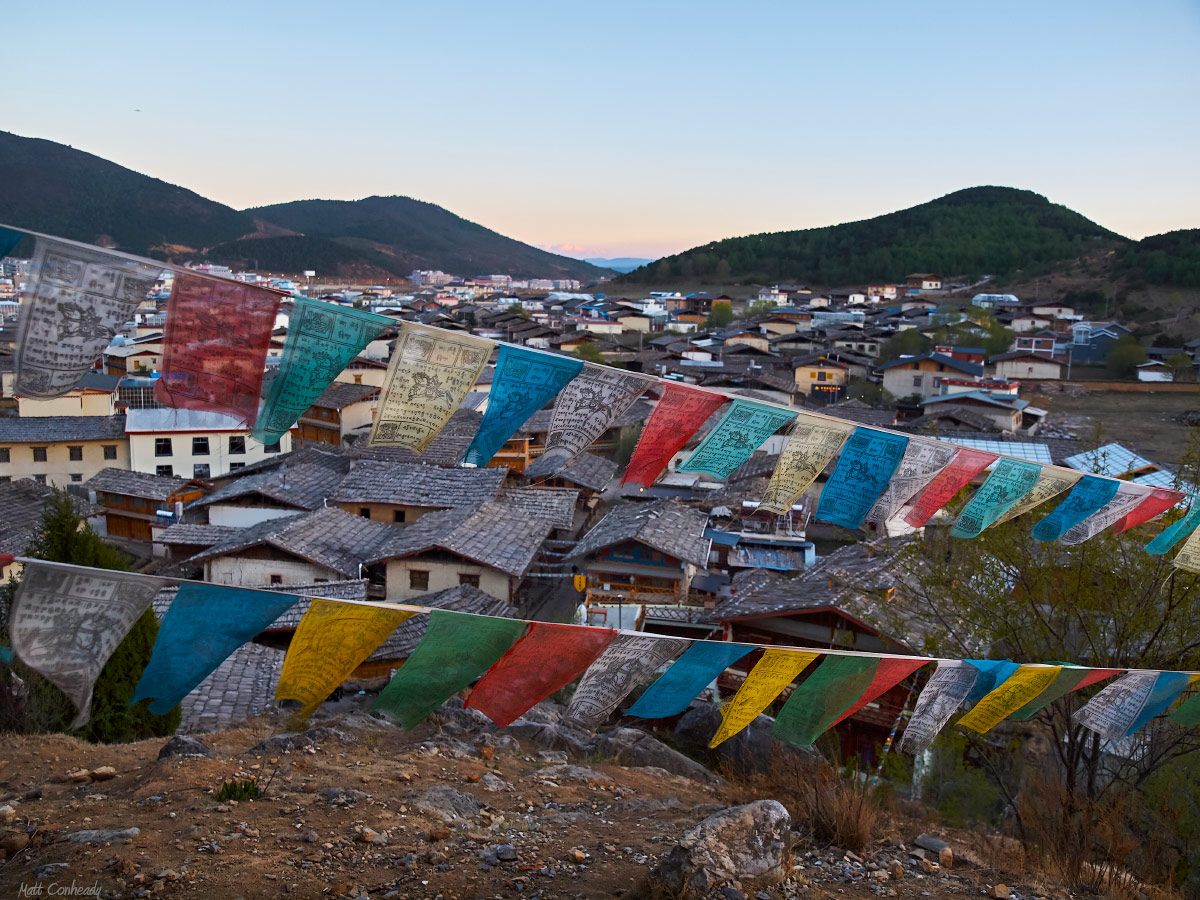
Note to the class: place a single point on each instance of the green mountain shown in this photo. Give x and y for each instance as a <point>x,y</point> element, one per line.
<point>981,230</point>
<point>1171,259</point>
<point>411,234</point>
<point>58,190</point>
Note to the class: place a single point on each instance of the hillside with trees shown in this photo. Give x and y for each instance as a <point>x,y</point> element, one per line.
<point>1171,259</point>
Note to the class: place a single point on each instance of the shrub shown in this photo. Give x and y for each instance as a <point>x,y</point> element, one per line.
<point>238,791</point>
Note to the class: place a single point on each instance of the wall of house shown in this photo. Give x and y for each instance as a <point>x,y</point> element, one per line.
<point>244,516</point>
<point>904,381</point>
<point>243,572</point>
<point>76,403</point>
<point>142,457</point>
<point>371,376</point>
<point>358,415</point>
<point>386,512</point>
<point>59,469</point>
<point>808,376</point>
<point>1028,368</point>
<point>443,574</point>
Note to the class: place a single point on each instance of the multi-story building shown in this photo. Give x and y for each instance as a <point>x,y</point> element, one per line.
<point>198,444</point>
<point>60,450</point>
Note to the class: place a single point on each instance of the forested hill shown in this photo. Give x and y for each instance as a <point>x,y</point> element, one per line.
<point>1171,259</point>
<point>981,230</point>
<point>59,190</point>
<point>406,234</point>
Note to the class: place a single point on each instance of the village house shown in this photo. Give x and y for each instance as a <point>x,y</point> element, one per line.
<point>588,473</point>
<point>342,410</point>
<point>1027,364</point>
<point>299,487</point>
<point>363,370</point>
<point>1006,411</point>
<point>60,450</point>
<point>821,379</point>
<point>94,395</point>
<point>924,281</point>
<point>190,443</point>
<point>1043,342</point>
<point>400,493</point>
<point>138,506</point>
<point>922,375</point>
<point>1113,460</point>
<point>138,357</point>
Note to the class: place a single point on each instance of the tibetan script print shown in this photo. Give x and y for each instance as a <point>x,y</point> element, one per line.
<point>628,662</point>
<point>740,432</point>
<point>812,443</point>
<point>678,414</point>
<point>1010,480</point>
<point>921,463</point>
<point>863,471</point>
<point>944,693</point>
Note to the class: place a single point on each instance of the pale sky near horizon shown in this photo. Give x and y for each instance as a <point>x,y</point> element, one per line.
<point>621,128</point>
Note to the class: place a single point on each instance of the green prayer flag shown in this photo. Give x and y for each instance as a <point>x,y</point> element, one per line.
<point>457,649</point>
<point>1188,714</point>
<point>827,693</point>
<point>1066,681</point>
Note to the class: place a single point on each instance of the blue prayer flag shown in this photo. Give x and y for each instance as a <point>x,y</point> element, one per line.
<point>8,240</point>
<point>992,674</point>
<point>1085,499</point>
<point>1177,531</point>
<point>690,674</point>
<point>866,465</point>
<point>1167,687</point>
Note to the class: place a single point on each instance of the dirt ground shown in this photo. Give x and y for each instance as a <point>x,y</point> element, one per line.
<point>1140,421</point>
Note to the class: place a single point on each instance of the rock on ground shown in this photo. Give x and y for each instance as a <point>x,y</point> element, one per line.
<point>751,751</point>
<point>182,745</point>
<point>631,747</point>
<point>447,803</point>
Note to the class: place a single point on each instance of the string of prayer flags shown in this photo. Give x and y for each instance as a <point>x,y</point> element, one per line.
<point>771,674</point>
<point>1128,497</point>
<point>943,694</point>
<point>523,383</point>
<point>992,674</point>
<point>1068,679</point>
<point>1159,501</point>
<point>741,431</point>
<point>889,673</point>
<point>586,408</point>
<point>1020,688</point>
<point>1188,713</point>
<point>1130,702</point>
<point>1009,481</point>
<point>322,339</point>
<point>866,465</point>
<point>695,670</point>
<point>204,624</point>
<point>959,472</point>
<point>816,703</point>
<point>75,301</point>
<point>921,463</point>
<point>1176,531</point>
<point>1086,499</point>
<point>457,648</point>
<point>430,373</point>
<point>627,663</point>
<point>1051,482</point>
<point>548,657</point>
<point>66,621</point>
<point>678,414</point>
<point>215,345</point>
<point>812,442</point>
<point>331,641</point>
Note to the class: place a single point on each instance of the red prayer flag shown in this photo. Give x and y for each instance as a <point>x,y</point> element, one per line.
<point>889,674</point>
<point>679,413</point>
<point>1095,675</point>
<point>545,659</point>
<point>1159,501</point>
<point>952,479</point>
<point>217,336</point>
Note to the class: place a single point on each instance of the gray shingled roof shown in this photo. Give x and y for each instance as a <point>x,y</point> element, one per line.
<point>22,502</point>
<point>495,534</point>
<point>665,525</point>
<point>134,484</point>
<point>555,505</point>
<point>328,537</point>
<point>198,535</point>
<point>301,486</point>
<point>414,484</point>
<point>60,429</point>
<point>465,598</point>
<point>590,471</point>
<point>353,589</point>
<point>339,395</point>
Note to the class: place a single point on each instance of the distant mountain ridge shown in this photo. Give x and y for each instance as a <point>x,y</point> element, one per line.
<point>56,189</point>
<point>619,263</point>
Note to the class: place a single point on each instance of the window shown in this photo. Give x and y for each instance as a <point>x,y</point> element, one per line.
<point>237,444</point>
<point>110,451</point>
<point>233,466</point>
<point>200,446</point>
<point>164,471</point>
<point>918,380</point>
<point>358,379</point>
<point>40,479</point>
<point>821,376</point>
<point>75,454</point>
<point>271,448</point>
<point>276,579</point>
<point>365,512</point>
<point>76,477</point>
<point>200,470</point>
<point>162,447</point>
<point>471,578</point>
<point>5,478</point>
<point>398,516</point>
<point>4,455</point>
<point>418,580</point>
<point>812,374</point>
<point>320,580</point>
<point>39,454</point>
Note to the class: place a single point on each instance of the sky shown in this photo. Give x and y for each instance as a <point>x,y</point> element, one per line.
<point>629,129</point>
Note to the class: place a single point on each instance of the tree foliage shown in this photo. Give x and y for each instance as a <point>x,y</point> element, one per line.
<point>904,343</point>
<point>719,316</point>
<point>1172,259</point>
<point>1124,356</point>
<point>590,353</point>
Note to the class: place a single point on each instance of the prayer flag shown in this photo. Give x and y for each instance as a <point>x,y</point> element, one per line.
<point>331,641</point>
<point>548,657</point>
<point>1159,501</point>
<point>204,624</point>
<point>586,408</point>
<point>678,414</point>
<point>992,674</point>
<point>771,674</point>
<point>1130,702</point>
<point>921,463</point>
<point>1021,687</point>
<point>944,693</point>
<point>866,465</point>
<point>697,668</point>
<point>628,662</point>
<point>215,345</point>
<point>430,373</point>
<point>524,382</point>
<point>889,674</point>
<point>1051,482</point>
<point>322,339</point>
<point>1127,498</point>
<point>457,649</point>
<point>824,695</point>
<point>812,442</point>
<point>1188,557</point>
<point>957,475</point>
<point>1188,713</point>
<point>1088,497</point>
<point>1069,679</point>
<point>1176,531</point>
<point>8,240</point>
<point>76,299</point>
<point>741,431</point>
<point>1011,479</point>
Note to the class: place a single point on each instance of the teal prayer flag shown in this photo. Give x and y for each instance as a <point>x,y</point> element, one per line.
<point>1167,687</point>
<point>866,465</point>
<point>688,676</point>
<point>8,240</point>
<point>740,432</point>
<point>1177,531</point>
<point>992,674</point>
<point>1009,481</point>
<point>1088,496</point>
<point>6,656</point>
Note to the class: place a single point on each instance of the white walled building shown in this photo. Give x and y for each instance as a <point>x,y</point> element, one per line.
<point>192,444</point>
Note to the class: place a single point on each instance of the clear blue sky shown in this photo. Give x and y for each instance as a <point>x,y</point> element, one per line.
<point>629,128</point>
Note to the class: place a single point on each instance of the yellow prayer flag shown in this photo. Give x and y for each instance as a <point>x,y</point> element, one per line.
<point>773,673</point>
<point>1017,690</point>
<point>332,640</point>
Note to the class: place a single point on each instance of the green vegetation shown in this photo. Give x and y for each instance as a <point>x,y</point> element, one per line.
<point>295,253</point>
<point>1124,356</point>
<point>239,791</point>
<point>64,537</point>
<point>1172,259</point>
<point>518,310</point>
<point>982,230</point>
<point>719,316</point>
<point>905,343</point>
<point>590,353</point>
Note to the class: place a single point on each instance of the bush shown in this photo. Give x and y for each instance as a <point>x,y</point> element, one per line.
<point>238,791</point>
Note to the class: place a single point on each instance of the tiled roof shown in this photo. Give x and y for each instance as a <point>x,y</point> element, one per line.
<point>414,484</point>
<point>860,413</point>
<point>57,429</point>
<point>760,463</point>
<point>23,502</point>
<point>665,525</point>
<point>590,471</point>
<point>170,419</point>
<point>1110,459</point>
<point>963,414</point>
<point>198,535</point>
<point>465,598</point>
<point>555,505</point>
<point>134,484</point>
<point>495,534</point>
<point>302,486</point>
<point>316,454</point>
<point>948,361</point>
<point>339,395</point>
<point>328,537</point>
<point>352,589</point>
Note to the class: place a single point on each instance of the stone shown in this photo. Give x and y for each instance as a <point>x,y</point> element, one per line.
<point>454,719</point>
<point>946,858</point>
<point>506,853</point>
<point>746,844</point>
<point>80,776</point>
<point>930,843</point>
<point>7,814</point>
<point>577,855</point>
<point>371,836</point>
<point>552,736</point>
<point>14,841</point>
<point>182,745</point>
<point>574,773</point>
<point>103,837</point>
<point>493,782</point>
<point>750,751</point>
<point>732,893</point>
<point>547,712</point>
<point>1000,892</point>
<point>927,866</point>
<point>896,870</point>
<point>447,803</point>
<point>554,757</point>
<point>104,773</point>
<point>631,747</point>
<point>48,870</point>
